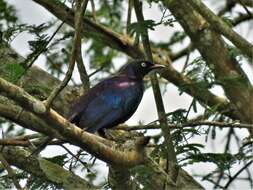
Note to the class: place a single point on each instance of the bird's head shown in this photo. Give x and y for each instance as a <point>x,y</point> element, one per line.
<point>137,69</point>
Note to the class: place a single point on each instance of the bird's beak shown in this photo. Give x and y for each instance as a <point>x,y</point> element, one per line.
<point>157,67</point>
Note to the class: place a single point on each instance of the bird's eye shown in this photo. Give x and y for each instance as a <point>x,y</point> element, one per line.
<point>143,64</point>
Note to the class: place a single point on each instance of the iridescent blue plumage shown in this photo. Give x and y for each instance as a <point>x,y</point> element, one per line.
<point>112,101</point>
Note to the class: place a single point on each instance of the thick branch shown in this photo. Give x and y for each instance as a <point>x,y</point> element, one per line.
<point>213,49</point>
<point>44,169</point>
<point>89,142</point>
<point>36,81</point>
<point>223,28</point>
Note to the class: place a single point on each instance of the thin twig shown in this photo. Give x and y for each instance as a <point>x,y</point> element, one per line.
<point>93,10</point>
<point>227,8</point>
<point>237,173</point>
<point>226,150</point>
<point>14,142</point>
<point>129,15</point>
<point>96,71</point>
<point>169,147</point>
<point>238,142</point>
<point>245,8</point>
<point>11,173</point>
<point>72,154</point>
<point>241,18</point>
<point>77,40</point>
<point>25,143</point>
<point>44,48</point>
<point>188,124</point>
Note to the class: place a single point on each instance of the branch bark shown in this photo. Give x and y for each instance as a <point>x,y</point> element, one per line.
<point>43,169</point>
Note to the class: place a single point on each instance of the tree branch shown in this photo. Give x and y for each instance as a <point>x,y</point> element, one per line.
<point>213,49</point>
<point>89,142</point>
<point>11,174</point>
<point>237,174</point>
<point>80,10</point>
<point>76,46</point>
<point>223,28</point>
<point>189,124</point>
<point>44,169</point>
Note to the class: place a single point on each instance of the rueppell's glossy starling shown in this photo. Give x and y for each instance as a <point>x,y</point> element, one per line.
<point>113,100</point>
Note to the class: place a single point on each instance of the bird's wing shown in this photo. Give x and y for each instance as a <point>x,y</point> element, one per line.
<point>103,111</point>
<point>92,98</point>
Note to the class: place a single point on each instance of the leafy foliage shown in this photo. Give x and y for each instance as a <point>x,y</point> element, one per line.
<point>143,175</point>
<point>200,73</point>
<point>14,72</point>
<point>110,14</point>
<point>139,28</point>
<point>7,15</point>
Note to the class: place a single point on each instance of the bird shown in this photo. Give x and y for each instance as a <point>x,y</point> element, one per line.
<point>113,100</point>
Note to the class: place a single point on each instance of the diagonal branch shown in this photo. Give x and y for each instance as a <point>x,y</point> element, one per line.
<point>223,28</point>
<point>213,49</point>
<point>89,142</point>
<point>44,169</point>
<point>80,9</point>
<point>81,6</point>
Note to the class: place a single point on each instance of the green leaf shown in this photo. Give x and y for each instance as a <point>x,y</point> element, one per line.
<point>59,159</point>
<point>13,72</point>
<point>140,27</point>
